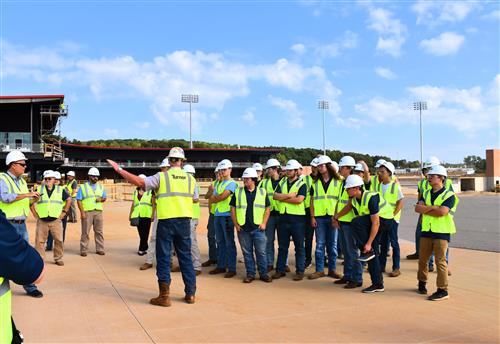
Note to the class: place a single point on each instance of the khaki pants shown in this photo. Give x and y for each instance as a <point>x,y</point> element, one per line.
<point>439,247</point>
<point>93,218</point>
<point>42,231</point>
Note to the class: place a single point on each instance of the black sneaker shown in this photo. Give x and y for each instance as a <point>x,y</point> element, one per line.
<point>439,295</point>
<point>35,293</point>
<point>364,257</point>
<point>341,281</point>
<point>421,288</point>
<point>374,289</point>
<point>413,256</point>
<point>352,285</point>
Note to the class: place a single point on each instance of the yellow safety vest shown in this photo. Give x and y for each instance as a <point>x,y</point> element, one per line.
<point>70,189</point>
<point>50,206</point>
<point>391,197</point>
<point>144,206</point>
<point>342,203</point>
<point>267,185</point>
<point>362,208</point>
<point>223,206</point>
<point>196,205</point>
<point>175,194</point>
<point>19,208</point>
<point>5,312</point>
<point>89,197</point>
<point>288,208</point>
<point>308,181</point>
<point>325,202</point>
<point>215,183</point>
<point>259,206</point>
<point>423,185</point>
<point>440,224</point>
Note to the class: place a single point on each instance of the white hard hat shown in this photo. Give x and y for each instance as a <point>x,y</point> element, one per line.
<point>323,159</point>
<point>164,163</point>
<point>379,163</point>
<point>257,167</point>
<point>347,161</point>
<point>439,170</point>
<point>389,165</point>
<point>71,173</point>
<point>176,152</point>
<point>224,164</point>
<point>48,174</point>
<point>14,156</point>
<point>314,162</point>
<point>292,165</point>
<point>216,168</point>
<point>189,169</point>
<point>249,173</point>
<point>272,163</point>
<point>335,166</point>
<point>94,172</point>
<point>57,175</point>
<point>359,167</point>
<point>353,180</point>
<point>143,176</point>
<point>431,161</point>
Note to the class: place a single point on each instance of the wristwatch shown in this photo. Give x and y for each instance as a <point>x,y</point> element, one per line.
<point>120,168</point>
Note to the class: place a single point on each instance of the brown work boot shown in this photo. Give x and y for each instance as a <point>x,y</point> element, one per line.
<point>146,266</point>
<point>287,268</point>
<point>197,272</point>
<point>334,274</point>
<point>230,274</point>
<point>189,299</point>
<point>60,263</point>
<point>101,253</point>
<point>163,298</point>
<point>449,272</point>
<point>83,254</point>
<point>208,263</point>
<point>278,275</point>
<point>316,275</point>
<point>395,273</point>
<point>176,269</point>
<point>298,277</point>
<point>217,271</point>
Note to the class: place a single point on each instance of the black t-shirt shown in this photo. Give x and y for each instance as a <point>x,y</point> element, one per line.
<point>249,224</point>
<point>449,203</point>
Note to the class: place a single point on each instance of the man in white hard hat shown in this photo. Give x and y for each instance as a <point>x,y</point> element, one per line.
<point>64,220</point>
<point>49,210</point>
<point>260,170</point>
<point>291,193</point>
<point>212,241</point>
<point>437,207</point>
<point>15,201</point>
<point>224,227</point>
<point>250,212</point>
<point>174,191</point>
<point>270,184</point>
<point>72,187</point>
<point>90,197</point>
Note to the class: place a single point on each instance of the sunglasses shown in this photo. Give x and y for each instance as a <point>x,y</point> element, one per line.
<point>23,165</point>
<point>47,178</point>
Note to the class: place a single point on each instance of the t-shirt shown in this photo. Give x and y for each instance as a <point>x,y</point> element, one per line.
<point>449,203</point>
<point>373,205</point>
<point>249,224</point>
<point>65,196</point>
<point>302,192</point>
<point>228,185</point>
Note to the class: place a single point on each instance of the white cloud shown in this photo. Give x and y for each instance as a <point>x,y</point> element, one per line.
<point>143,125</point>
<point>493,15</point>
<point>392,33</point>
<point>438,12</point>
<point>249,117</point>
<point>447,43</point>
<point>299,48</point>
<point>349,40</point>
<point>385,73</point>
<point>290,108</point>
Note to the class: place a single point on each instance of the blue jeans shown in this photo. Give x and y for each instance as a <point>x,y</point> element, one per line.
<point>389,232</point>
<point>353,271</point>
<point>296,229</point>
<point>271,228</point>
<point>326,238</point>
<point>212,242</point>
<point>50,239</point>
<point>23,232</point>
<point>176,232</point>
<point>226,246</point>
<point>248,241</point>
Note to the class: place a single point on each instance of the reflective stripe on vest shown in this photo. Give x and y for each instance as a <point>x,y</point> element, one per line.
<point>175,194</point>
<point>19,208</point>
<point>440,224</point>
<point>343,200</point>
<point>308,181</point>
<point>5,311</point>
<point>391,197</point>
<point>362,208</point>
<point>223,206</point>
<point>215,183</point>
<point>143,207</point>
<point>325,202</point>
<point>288,208</point>
<point>268,186</point>
<point>89,196</point>
<point>259,206</point>
<point>50,206</point>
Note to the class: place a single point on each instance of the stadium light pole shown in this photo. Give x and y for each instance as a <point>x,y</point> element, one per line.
<point>420,106</point>
<point>190,98</point>
<point>324,105</point>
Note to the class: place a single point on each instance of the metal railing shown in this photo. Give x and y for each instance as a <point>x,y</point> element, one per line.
<point>147,164</point>
<point>23,147</point>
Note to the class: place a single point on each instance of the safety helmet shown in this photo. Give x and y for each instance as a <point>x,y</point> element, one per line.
<point>431,161</point>
<point>189,169</point>
<point>272,163</point>
<point>224,164</point>
<point>352,181</point>
<point>71,173</point>
<point>164,163</point>
<point>359,168</point>
<point>314,162</point>
<point>13,156</point>
<point>347,161</point>
<point>257,167</point>
<point>143,176</point>
<point>48,174</point>
<point>323,159</point>
<point>389,165</point>
<point>57,175</point>
<point>176,152</point>
<point>93,171</point>
<point>293,165</point>
<point>439,170</point>
<point>335,166</point>
<point>249,173</point>
<point>379,163</point>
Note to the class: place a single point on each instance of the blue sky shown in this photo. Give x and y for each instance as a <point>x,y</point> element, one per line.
<point>260,68</point>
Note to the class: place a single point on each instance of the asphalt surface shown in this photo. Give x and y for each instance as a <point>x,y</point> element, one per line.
<point>477,221</point>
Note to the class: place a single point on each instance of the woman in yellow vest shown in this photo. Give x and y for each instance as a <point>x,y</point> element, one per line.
<point>250,213</point>
<point>324,197</point>
<point>437,207</point>
<point>212,242</point>
<point>142,208</point>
